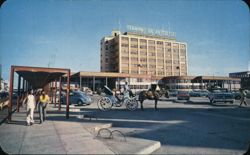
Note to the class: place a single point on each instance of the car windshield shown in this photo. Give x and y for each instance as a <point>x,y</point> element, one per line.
<point>182,92</point>
<point>81,93</point>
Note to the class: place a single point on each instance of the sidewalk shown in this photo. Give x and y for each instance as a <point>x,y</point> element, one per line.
<point>59,135</point>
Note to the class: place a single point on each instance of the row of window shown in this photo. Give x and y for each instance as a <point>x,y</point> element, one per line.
<point>144,46</point>
<point>152,42</point>
<point>153,51</point>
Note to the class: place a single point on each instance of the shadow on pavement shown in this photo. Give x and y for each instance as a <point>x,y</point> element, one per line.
<point>171,126</point>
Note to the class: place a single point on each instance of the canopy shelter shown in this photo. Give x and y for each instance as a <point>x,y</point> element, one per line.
<point>35,78</point>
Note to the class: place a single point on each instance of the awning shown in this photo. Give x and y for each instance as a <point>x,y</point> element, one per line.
<point>37,77</point>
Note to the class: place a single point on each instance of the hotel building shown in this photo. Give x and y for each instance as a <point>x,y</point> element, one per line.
<point>142,59</point>
<point>137,53</point>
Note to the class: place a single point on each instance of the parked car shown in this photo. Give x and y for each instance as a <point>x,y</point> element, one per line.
<point>172,92</point>
<point>194,94</point>
<point>199,93</point>
<point>204,93</point>
<point>221,97</point>
<point>78,98</point>
<point>183,95</point>
<point>236,94</point>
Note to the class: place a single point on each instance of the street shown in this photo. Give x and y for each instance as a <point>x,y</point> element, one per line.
<point>194,127</point>
<point>182,127</point>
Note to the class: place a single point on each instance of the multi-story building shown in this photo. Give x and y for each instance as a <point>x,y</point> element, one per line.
<point>136,53</point>
<point>245,78</point>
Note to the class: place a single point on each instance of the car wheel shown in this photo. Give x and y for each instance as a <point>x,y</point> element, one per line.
<point>79,103</point>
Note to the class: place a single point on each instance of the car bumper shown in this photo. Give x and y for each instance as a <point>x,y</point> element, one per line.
<point>223,100</point>
<point>183,97</point>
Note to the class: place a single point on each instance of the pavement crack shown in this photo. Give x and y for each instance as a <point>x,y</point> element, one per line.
<point>65,150</point>
<point>24,135</point>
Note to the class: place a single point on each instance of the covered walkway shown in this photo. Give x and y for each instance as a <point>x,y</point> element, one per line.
<point>36,78</point>
<point>55,136</point>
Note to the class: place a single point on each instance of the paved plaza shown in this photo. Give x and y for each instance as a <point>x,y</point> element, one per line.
<point>178,127</point>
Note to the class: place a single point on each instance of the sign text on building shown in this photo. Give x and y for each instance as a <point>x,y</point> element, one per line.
<point>150,31</point>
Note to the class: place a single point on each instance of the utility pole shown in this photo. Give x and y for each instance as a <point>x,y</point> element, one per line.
<point>52,61</point>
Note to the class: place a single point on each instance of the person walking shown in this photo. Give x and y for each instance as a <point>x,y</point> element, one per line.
<point>30,102</point>
<point>43,101</point>
<point>242,97</point>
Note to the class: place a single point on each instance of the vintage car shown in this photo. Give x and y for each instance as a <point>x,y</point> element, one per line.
<point>221,97</point>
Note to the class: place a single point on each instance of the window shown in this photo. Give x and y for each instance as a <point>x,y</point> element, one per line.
<point>134,52</point>
<point>134,71</point>
<point>125,58</point>
<point>151,47</point>
<point>152,60</point>
<point>159,43</point>
<point>169,61</point>
<point>143,40</point>
<point>151,42</point>
<point>151,54</point>
<point>168,43</point>
<point>143,59</point>
<point>134,59</point>
<point>160,55</point>
<point>143,53</point>
<point>176,62</point>
<point>124,71</point>
<point>152,66</point>
<point>125,38</point>
<point>124,45</point>
<point>134,46</point>
<point>175,50</point>
<point>143,46</point>
<point>134,39</point>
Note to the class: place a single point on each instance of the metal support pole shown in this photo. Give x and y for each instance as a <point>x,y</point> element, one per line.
<point>10,93</point>
<point>68,89</point>
<point>118,79</point>
<point>23,85</point>
<point>93,83</point>
<point>52,92</point>
<point>60,93</point>
<point>80,84</point>
<point>27,85</point>
<point>19,92</point>
<point>55,93</point>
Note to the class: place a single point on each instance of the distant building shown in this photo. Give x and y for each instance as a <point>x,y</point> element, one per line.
<point>136,53</point>
<point>201,82</point>
<point>96,80</point>
<point>245,78</point>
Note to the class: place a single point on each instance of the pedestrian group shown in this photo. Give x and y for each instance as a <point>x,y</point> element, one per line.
<point>32,100</point>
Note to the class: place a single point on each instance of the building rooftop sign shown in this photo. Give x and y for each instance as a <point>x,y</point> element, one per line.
<point>150,31</point>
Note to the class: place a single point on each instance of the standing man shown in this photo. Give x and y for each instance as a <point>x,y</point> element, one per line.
<point>126,88</point>
<point>44,100</point>
<point>242,97</point>
<point>30,101</point>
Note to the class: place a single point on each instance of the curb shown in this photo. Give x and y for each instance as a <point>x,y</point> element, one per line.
<point>150,149</point>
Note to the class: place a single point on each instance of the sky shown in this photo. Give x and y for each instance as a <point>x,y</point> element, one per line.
<point>67,33</point>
